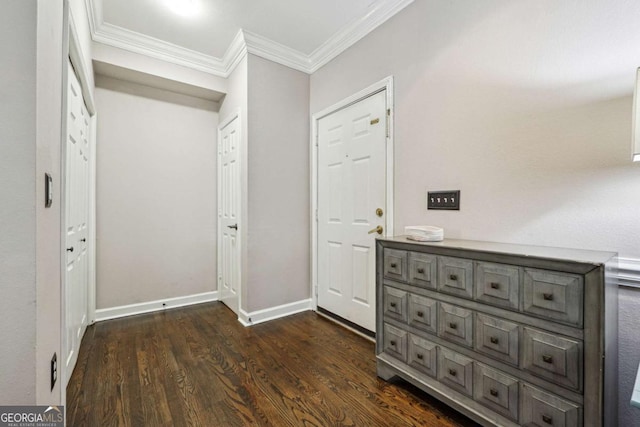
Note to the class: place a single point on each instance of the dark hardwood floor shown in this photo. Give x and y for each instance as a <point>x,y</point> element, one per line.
<point>199,366</point>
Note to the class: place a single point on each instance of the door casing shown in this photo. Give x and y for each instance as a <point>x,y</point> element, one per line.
<point>385,84</point>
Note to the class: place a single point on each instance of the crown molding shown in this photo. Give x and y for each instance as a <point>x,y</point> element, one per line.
<point>276,52</point>
<point>244,42</point>
<point>354,32</point>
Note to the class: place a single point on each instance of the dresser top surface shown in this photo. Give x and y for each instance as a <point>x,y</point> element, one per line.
<point>560,254</point>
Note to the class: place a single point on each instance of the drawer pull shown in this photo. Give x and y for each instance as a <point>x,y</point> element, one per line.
<point>392,342</point>
<point>453,277</point>
<point>494,340</point>
<point>393,265</point>
<point>453,372</point>
<point>547,419</point>
<point>421,270</point>
<point>453,325</point>
<point>420,314</point>
<point>495,285</point>
<point>494,392</point>
<point>419,356</point>
<point>547,359</point>
<point>392,304</point>
<point>547,297</point>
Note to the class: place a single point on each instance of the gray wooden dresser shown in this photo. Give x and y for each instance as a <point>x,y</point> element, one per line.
<point>506,334</point>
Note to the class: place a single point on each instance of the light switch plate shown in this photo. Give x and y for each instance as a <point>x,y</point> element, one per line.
<point>444,200</point>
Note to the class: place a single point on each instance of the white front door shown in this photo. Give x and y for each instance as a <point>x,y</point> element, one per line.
<point>229,213</point>
<point>76,221</point>
<point>351,202</point>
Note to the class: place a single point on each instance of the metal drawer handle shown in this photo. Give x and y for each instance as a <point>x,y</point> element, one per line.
<point>453,372</point>
<point>392,342</point>
<point>453,325</point>
<point>419,356</point>
<point>493,340</point>
<point>494,392</point>
<point>495,285</point>
<point>421,270</point>
<point>420,314</point>
<point>547,359</point>
<point>547,297</point>
<point>393,265</point>
<point>453,277</point>
<point>547,419</point>
<point>392,304</point>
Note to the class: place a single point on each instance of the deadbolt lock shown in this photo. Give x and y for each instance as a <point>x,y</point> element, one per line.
<point>378,230</point>
<point>379,212</point>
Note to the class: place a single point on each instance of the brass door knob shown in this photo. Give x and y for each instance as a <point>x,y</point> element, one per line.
<point>378,230</point>
<point>379,212</point>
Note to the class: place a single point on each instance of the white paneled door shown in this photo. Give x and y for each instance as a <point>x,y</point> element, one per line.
<point>351,202</point>
<point>76,221</point>
<point>229,213</point>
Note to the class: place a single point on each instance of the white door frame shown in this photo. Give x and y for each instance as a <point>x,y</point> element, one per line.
<point>241,217</point>
<point>74,53</point>
<point>384,84</point>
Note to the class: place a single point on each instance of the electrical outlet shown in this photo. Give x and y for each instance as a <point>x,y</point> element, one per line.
<point>54,370</point>
<point>443,200</point>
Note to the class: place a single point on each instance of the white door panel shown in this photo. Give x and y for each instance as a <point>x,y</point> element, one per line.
<point>228,214</point>
<point>351,186</point>
<point>76,222</point>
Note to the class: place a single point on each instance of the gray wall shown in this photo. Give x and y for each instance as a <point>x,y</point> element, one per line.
<point>18,196</point>
<point>156,194</point>
<point>278,191</point>
<point>525,106</point>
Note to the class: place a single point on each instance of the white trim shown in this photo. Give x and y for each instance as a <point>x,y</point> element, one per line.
<point>151,306</point>
<point>79,63</point>
<point>629,272</point>
<point>112,35</point>
<point>385,84</point>
<point>267,314</point>
<point>91,291</point>
<point>354,32</point>
<point>122,38</point>
<point>276,52</point>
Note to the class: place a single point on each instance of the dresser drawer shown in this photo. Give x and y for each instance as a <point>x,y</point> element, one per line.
<point>395,264</point>
<point>496,390</point>
<point>422,355</point>
<point>395,303</point>
<point>423,313</point>
<point>497,338</point>
<point>455,276</point>
<point>497,284</point>
<point>455,370</point>
<point>553,295</point>
<point>395,342</point>
<point>542,409</point>
<point>455,324</point>
<point>555,358</point>
<point>422,270</point>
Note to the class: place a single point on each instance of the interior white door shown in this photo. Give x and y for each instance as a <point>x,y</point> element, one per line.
<point>76,221</point>
<point>351,202</point>
<point>229,213</point>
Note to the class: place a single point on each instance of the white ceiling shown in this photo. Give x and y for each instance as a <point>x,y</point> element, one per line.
<point>300,25</point>
<point>303,34</point>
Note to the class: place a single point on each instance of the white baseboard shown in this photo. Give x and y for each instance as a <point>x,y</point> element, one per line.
<point>260,316</point>
<point>151,306</point>
<point>629,272</point>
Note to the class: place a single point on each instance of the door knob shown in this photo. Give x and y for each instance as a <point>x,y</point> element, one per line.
<point>379,212</point>
<point>70,249</point>
<point>378,230</point>
<point>234,226</point>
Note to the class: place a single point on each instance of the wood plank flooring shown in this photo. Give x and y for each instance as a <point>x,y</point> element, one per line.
<point>198,366</point>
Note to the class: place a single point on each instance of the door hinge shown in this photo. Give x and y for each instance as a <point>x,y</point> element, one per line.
<point>316,215</point>
<point>317,138</point>
<point>388,120</point>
